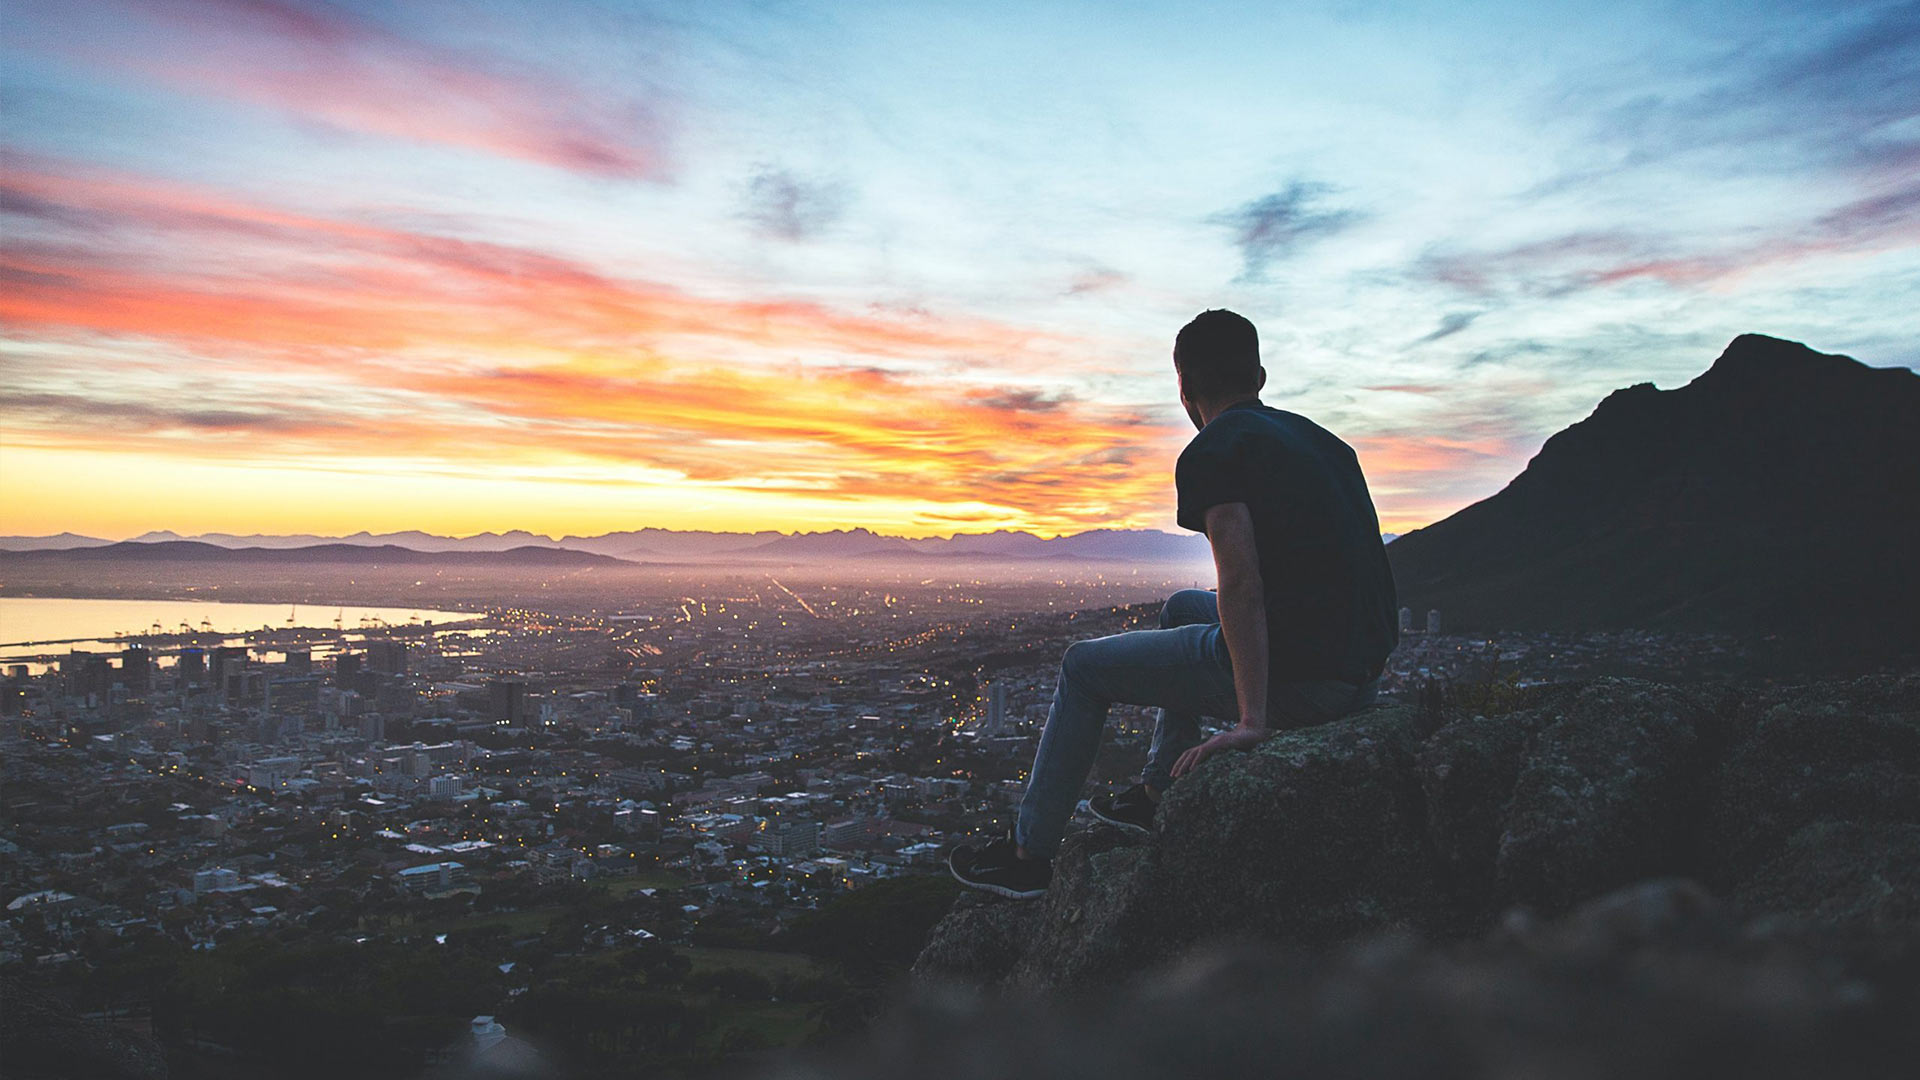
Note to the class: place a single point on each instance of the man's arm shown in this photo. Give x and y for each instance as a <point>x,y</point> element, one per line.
<point>1243,623</point>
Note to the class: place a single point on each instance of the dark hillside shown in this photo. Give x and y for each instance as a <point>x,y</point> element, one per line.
<point>1776,494</point>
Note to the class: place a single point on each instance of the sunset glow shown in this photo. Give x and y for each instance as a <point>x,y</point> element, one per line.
<point>573,268</point>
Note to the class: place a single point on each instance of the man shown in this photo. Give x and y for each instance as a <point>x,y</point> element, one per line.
<point>1296,633</point>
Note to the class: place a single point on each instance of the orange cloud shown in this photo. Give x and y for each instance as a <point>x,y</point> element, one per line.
<point>473,356</point>
<point>414,345</point>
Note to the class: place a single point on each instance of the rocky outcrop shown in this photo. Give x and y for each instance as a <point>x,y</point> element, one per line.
<point>1652,982</point>
<point>1804,802</point>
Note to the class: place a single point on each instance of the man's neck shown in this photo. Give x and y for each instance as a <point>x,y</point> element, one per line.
<point>1210,409</point>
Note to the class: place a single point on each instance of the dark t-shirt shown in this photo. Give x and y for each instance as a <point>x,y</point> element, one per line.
<point>1329,591</point>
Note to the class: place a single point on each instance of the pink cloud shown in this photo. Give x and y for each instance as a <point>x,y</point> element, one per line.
<point>330,66</point>
<point>1886,221</point>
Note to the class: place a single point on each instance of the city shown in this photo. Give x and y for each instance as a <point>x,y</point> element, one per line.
<point>698,774</point>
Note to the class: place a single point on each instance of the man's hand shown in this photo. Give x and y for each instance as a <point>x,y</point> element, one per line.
<point>1239,738</point>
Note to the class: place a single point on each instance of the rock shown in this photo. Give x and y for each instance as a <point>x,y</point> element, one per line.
<point>1315,836</point>
<point>979,941</point>
<point>1657,982</point>
<point>1842,873</point>
<point>1840,752</point>
<point>1598,802</point>
<point>1329,835</point>
<point>1459,765</point>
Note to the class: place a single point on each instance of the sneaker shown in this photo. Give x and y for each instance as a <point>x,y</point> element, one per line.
<point>1131,809</point>
<point>998,869</point>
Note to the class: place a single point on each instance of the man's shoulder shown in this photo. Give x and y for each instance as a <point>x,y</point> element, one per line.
<point>1214,441</point>
<point>1290,428</point>
<point>1259,424</point>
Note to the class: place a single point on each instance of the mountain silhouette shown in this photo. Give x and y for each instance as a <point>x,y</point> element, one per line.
<point>1776,494</point>
<point>654,544</point>
<point>835,543</point>
<point>178,551</point>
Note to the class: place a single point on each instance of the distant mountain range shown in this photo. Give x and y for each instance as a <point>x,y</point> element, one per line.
<point>639,545</point>
<point>179,551</point>
<point>1776,494</point>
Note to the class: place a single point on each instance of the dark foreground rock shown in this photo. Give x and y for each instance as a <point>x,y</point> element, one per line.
<point>1803,802</point>
<point>1655,981</point>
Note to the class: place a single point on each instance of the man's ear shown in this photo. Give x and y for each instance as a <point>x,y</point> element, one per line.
<point>1260,383</point>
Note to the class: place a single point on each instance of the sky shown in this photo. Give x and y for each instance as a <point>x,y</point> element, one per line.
<point>574,267</point>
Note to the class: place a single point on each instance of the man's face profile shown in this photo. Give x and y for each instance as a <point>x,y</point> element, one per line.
<point>1193,411</point>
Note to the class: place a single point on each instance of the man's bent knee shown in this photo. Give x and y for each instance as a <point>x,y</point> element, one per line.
<point>1083,665</point>
<point>1075,660</point>
<point>1185,608</point>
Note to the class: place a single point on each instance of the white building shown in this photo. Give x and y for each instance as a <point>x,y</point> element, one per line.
<point>215,879</point>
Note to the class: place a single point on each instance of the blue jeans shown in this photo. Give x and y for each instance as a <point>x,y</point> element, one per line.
<point>1183,669</point>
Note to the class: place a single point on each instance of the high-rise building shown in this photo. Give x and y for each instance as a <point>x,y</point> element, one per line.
<point>227,666</point>
<point>387,657</point>
<point>789,839</point>
<point>88,675</point>
<point>299,662</point>
<point>846,833</point>
<point>996,708</point>
<point>136,669</point>
<point>1433,620</point>
<point>1406,620</point>
<point>507,702</point>
<point>346,670</point>
<point>191,666</point>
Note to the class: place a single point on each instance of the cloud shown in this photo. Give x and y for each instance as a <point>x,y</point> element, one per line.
<point>1096,279</point>
<point>1832,89</point>
<point>1274,226</point>
<point>1020,400</point>
<point>784,206</point>
<point>239,271</point>
<point>328,65</point>
<point>1450,324</point>
<point>74,410</point>
<point>462,354</point>
<point>1584,261</point>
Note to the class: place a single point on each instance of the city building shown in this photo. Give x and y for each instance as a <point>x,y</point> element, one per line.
<point>432,879</point>
<point>996,709</point>
<point>507,702</point>
<point>387,657</point>
<point>215,879</point>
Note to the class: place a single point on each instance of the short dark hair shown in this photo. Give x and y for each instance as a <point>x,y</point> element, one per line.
<point>1217,354</point>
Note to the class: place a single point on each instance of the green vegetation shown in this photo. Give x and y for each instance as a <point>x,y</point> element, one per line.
<point>875,932</point>
<point>706,958</point>
<point>566,975</point>
<point>646,879</point>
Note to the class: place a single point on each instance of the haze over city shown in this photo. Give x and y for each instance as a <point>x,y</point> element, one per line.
<point>576,267</point>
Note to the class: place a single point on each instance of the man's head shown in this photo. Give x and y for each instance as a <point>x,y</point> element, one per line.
<point>1217,356</point>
